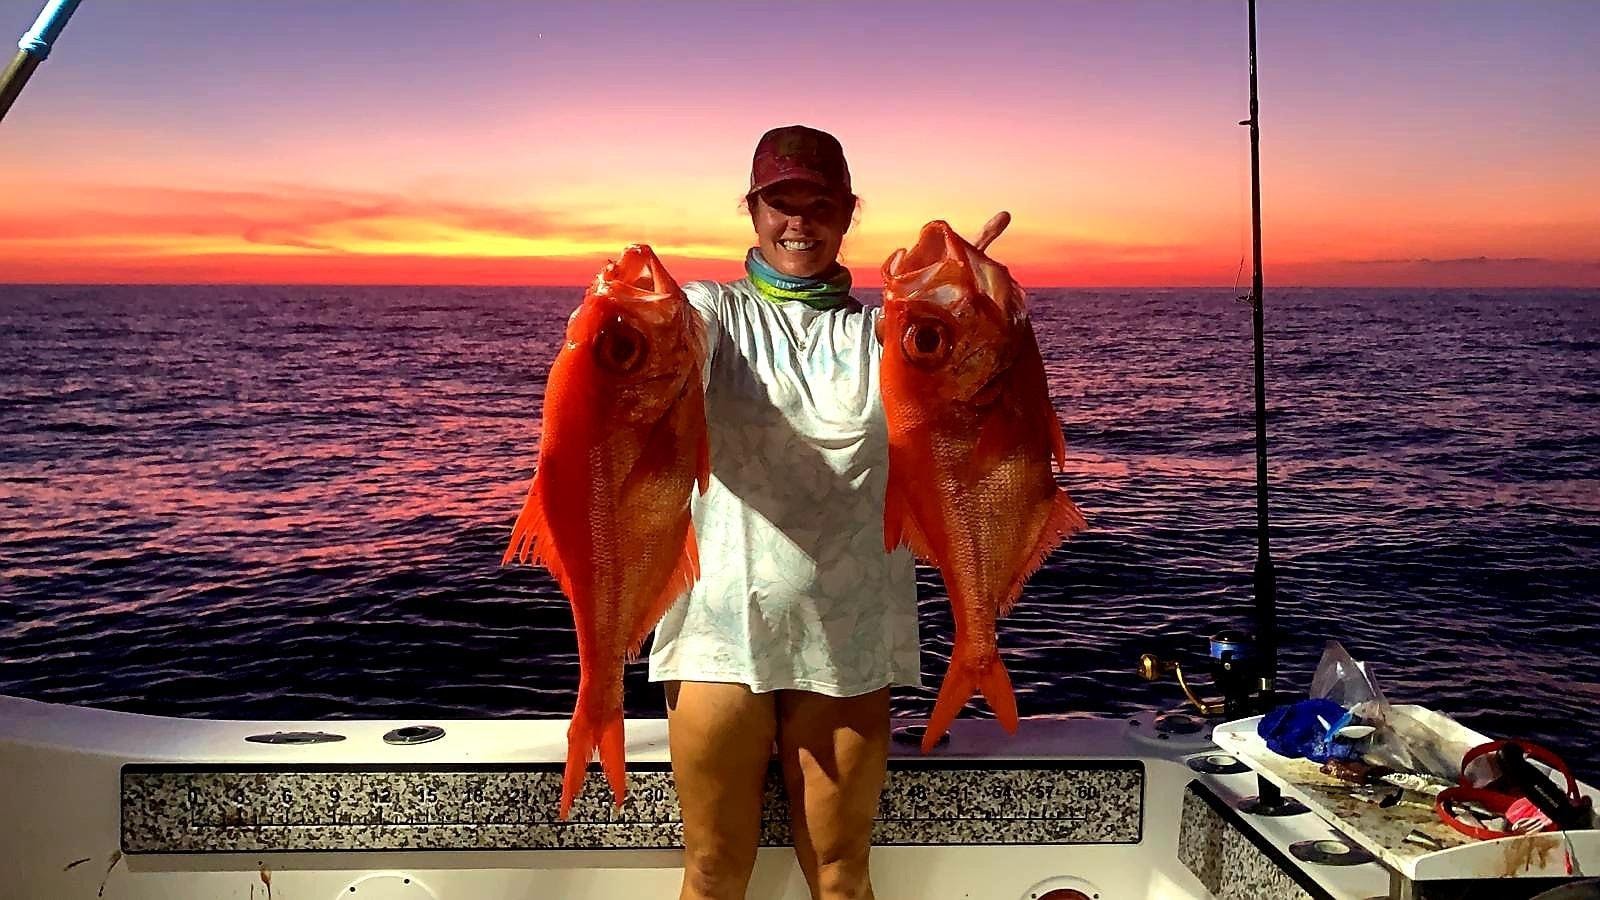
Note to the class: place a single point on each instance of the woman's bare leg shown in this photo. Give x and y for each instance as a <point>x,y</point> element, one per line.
<point>720,737</point>
<point>834,752</point>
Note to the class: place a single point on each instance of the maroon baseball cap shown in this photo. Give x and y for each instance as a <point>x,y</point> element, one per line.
<point>799,153</point>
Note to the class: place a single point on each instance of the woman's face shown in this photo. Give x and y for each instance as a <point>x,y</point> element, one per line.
<point>799,227</point>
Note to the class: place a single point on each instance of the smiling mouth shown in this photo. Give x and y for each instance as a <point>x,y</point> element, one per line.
<point>799,246</point>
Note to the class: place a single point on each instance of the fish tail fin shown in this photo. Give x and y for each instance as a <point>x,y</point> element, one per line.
<point>995,682</point>
<point>1062,521</point>
<point>613,759</point>
<point>678,583</point>
<point>581,740</point>
<point>959,683</point>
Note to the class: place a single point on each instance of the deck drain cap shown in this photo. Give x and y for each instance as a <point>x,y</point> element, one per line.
<point>1063,887</point>
<point>1275,807</point>
<point>1217,764</point>
<point>1334,852</point>
<point>413,734</point>
<point>295,737</point>
<point>912,735</point>
<point>1178,723</point>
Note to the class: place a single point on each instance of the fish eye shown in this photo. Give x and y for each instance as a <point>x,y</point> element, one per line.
<point>620,347</point>
<point>926,342</point>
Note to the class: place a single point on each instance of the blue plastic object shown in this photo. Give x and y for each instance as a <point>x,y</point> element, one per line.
<point>1297,731</point>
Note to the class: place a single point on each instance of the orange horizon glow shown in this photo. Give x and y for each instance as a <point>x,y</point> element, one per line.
<point>304,236</point>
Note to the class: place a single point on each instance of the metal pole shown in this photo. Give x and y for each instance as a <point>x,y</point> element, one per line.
<point>32,50</point>
<point>1266,582</point>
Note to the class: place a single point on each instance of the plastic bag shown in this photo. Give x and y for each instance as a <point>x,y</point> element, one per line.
<point>1344,681</point>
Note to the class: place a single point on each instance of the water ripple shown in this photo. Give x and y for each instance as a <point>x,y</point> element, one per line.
<point>290,502</point>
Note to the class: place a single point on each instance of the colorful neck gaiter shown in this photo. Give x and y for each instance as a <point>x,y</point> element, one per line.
<point>829,292</point>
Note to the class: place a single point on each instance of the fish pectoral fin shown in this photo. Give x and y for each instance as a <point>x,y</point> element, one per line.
<point>678,583</point>
<point>1061,522</point>
<point>900,528</point>
<point>530,539</point>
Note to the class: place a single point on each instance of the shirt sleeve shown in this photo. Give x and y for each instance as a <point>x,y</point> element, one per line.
<point>705,297</point>
<point>869,337</point>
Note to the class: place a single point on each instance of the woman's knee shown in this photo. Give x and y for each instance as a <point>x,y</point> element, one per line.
<point>844,878</point>
<point>718,868</point>
<point>844,872</point>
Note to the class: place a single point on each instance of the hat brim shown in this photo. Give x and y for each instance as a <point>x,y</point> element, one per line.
<point>802,175</point>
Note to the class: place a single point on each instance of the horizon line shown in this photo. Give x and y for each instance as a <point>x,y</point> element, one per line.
<point>1042,287</point>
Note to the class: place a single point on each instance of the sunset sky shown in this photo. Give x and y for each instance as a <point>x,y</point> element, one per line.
<point>1403,143</point>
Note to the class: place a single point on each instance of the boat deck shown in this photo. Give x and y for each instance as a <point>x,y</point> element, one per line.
<point>148,807</point>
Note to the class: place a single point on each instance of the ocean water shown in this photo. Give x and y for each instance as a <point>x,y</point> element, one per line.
<point>290,502</point>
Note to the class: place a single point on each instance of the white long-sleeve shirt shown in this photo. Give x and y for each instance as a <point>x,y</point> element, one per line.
<point>795,589</point>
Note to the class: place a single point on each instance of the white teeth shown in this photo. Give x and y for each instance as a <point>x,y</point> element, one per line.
<point>798,245</point>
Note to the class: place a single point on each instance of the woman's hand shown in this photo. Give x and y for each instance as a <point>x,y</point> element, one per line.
<point>992,229</point>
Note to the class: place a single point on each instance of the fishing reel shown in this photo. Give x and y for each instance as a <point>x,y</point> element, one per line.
<point>1234,671</point>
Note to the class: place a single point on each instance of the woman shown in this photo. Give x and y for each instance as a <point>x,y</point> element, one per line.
<point>800,621</point>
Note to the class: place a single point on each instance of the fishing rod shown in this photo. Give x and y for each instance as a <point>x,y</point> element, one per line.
<point>32,50</point>
<point>1266,580</point>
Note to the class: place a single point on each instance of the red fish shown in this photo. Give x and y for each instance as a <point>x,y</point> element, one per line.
<point>971,438</point>
<point>624,442</point>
